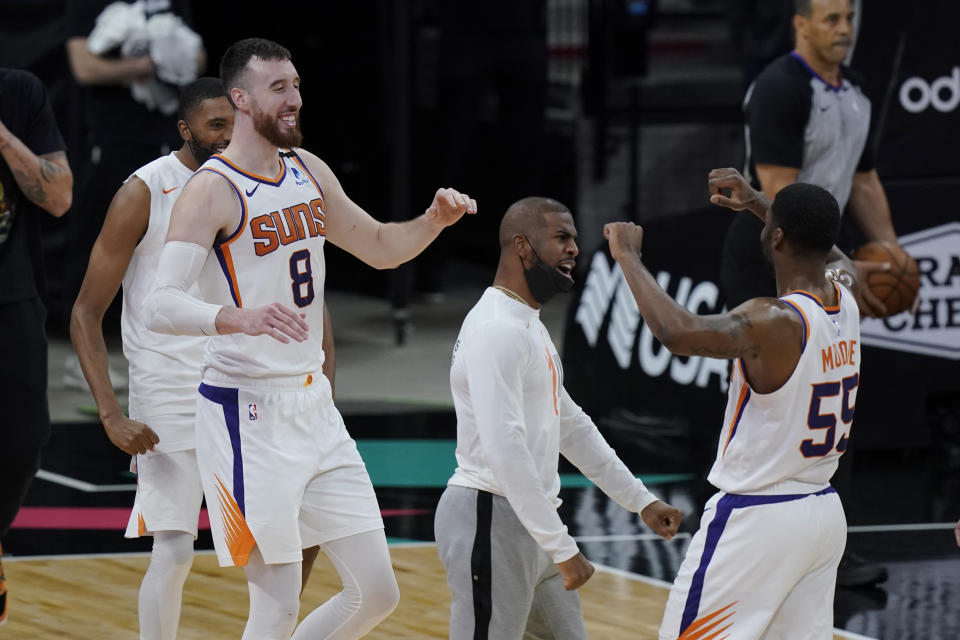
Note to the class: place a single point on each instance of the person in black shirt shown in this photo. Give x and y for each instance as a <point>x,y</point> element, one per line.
<point>34,175</point>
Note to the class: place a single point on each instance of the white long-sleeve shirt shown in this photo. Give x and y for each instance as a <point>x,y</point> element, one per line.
<point>514,418</point>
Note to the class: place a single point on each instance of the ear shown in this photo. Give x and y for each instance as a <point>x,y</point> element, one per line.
<point>799,26</point>
<point>239,97</point>
<point>777,238</point>
<point>522,248</point>
<point>184,130</point>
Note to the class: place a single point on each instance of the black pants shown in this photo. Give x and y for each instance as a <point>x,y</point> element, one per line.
<point>24,417</point>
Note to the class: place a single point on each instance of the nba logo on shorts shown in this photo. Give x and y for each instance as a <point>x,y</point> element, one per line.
<point>252,408</point>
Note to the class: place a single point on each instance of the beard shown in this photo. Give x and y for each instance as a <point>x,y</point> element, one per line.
<point>268,127</point>
<point>200,152</point>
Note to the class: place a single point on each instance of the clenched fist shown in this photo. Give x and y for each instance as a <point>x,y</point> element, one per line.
<point>625,238</point>
<point>662,518</point>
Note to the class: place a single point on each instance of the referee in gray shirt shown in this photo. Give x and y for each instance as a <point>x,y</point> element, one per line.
<point>808,120</point>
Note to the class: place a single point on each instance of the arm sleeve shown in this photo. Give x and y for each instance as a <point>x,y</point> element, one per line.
<point>777,112</point>
<point>495,362</point>
<point>169,308</point>
<point>582,444</point>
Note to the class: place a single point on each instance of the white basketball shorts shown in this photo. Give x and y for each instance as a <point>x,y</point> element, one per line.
<point>169,491</point>
<point>279,470</point>
<point>760,567</point>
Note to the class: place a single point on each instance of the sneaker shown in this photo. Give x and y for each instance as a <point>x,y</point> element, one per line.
<point>855,571</point>
<point>3,591</point>
<point>73,376</point>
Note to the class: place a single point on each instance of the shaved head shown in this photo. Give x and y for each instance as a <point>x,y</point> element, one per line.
<point>526,217</point>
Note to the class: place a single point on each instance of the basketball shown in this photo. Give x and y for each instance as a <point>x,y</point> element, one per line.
<point>897,287</point>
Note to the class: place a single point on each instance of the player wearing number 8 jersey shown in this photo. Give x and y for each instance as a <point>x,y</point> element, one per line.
<point>763,563</point>
<point>279,470</point>
<point>275,253</point>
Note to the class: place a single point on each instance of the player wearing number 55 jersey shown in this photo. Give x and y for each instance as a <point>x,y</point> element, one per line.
<point>763,563</point>
<point>279,471</point>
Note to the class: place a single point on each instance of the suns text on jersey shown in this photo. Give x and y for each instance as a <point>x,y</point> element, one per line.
<point>838,354</point>
<point>272,230</point>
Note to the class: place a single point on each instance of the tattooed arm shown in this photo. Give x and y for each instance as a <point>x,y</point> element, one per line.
<point>46,180</point>
<point>764,332</point>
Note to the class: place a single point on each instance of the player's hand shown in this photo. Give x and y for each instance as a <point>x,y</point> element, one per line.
<point>870,305</point>
<point>728,188</point>
<point>449,205</point>
<point>956,532</point>
<point>625,238</point>
<point>662,518</point>
<point>275,320</point>
<point>575,571</point>
<point>130,436</point>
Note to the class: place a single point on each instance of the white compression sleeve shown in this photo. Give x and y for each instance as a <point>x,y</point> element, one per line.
<point>169,308</point>
<point>370,592</point>
<point>161,592</point>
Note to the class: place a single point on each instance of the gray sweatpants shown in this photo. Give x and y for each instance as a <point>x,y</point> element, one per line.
<point>503,586</point>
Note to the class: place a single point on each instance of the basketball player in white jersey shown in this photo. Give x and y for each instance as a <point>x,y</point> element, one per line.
<point>279,470</point>
<point>164,370</point>
<point>512,568</point>
<point>763,563</point>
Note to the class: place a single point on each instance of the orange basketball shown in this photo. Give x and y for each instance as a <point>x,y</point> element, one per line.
<point>897,287</point>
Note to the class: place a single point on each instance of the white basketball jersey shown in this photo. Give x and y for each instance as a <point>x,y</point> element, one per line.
<point>164,369</point>
<point>275,254</point>
<point>790,440</point>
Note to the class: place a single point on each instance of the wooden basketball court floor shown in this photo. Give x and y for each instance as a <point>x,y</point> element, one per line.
<point>95,597</point>
<point>71,574</point>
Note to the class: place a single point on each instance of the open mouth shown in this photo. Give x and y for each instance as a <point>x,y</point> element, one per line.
<point>566,268</point>
<point>289,119</point>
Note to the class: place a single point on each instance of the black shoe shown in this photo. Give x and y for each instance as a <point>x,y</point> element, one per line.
<point>854,571</point>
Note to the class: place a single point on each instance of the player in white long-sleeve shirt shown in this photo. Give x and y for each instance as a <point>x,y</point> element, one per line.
<point>510,562</point>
